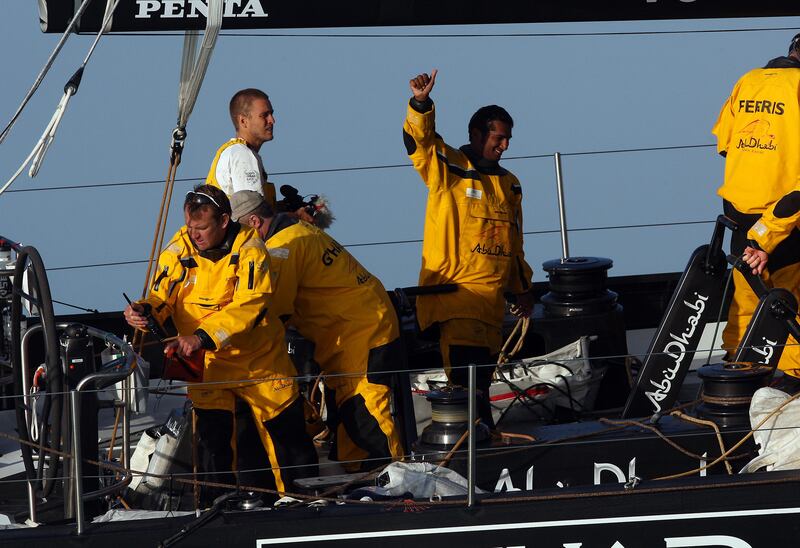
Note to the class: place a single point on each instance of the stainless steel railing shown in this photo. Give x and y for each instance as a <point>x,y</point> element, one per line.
<point>118,370</point>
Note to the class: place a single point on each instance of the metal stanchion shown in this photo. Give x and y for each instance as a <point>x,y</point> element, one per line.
<point>31,502</point>
<point>74,406</point>
<point>472,407</point>
<point>562,214</point>
<point>128,396</point>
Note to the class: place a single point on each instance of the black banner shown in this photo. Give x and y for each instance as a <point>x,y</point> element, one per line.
<point>767,333</point>
<point>696,301</point>
<point>177,15</point>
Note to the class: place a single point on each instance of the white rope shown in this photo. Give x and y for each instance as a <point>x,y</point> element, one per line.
<point>193,70</point>
<point>70,90</point>
<point>49,135</point>
<point>34,399</point>
<point>42,144</point>
<point>46,68</point>
<point>36,157</point>
<point>34,430</point>
<point>104,28</point>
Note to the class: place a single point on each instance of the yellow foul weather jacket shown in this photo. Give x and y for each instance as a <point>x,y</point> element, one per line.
<point>226,303</point>
<point>758,131</point>
<point>328,296</point>
<point>473,229</point>
<point>246,167</point>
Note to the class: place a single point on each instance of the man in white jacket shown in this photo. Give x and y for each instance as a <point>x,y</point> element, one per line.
<point>237,164</point>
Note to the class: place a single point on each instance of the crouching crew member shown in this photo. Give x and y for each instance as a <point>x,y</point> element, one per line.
<point>333,301</point>
<point>213,283</point>
<point>473,236</point>
<point>758,132</point>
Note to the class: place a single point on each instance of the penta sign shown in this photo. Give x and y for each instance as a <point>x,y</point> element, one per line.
<point>177,15</point>
<point>192,9</point>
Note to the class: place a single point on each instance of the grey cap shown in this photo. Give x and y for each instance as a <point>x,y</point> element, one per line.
<point>244,202</point>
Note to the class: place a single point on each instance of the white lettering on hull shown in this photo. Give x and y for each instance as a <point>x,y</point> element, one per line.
<point>676,349</point>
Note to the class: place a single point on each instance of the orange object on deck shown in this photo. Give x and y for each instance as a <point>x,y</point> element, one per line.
<point>178,368</point>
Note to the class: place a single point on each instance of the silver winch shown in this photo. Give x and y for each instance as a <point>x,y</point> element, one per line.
<point>449,419</point>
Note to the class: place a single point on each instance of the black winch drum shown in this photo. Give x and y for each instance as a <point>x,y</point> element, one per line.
<point>728,389</point>
<point>578,287</point>
<point>577,276</point>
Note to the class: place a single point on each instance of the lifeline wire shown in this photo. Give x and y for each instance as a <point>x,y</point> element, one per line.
<point>179,389</point>
<point>573,440</point>
<point>366,168</point>
<point>415,241</point>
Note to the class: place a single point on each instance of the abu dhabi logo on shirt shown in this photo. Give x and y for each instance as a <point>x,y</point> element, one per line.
<point>494,242</point>
<point>756,137</point>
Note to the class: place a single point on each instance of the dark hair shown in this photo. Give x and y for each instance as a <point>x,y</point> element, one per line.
<point>264,210</point>
<point>198,198</point>
<point>241,101</point>
<point>795,44</point>
<point>484,116</point>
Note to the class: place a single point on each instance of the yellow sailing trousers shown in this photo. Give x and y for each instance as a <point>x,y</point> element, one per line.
<point>783,270</point>
<point>744,303</point>
<point>365,428</point>
<point>284,444</point>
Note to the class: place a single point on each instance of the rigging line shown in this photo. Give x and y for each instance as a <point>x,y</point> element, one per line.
<point>416,241</point>
<point>103,185</point>
<point>335,169</point>
<point>36,157</point>
<point>96,265</point>
<point>623,150</point>
<point>235,34</point>
<point>110,8</point>
<point>180,389</point>
<point>360,168</point>
<point>276,173</point>
<point>92,310</point>
<point>575,440</point>
<point>552,231</point>
<point>70,89</point>
<point>616,227</point>
<point>46,68</point>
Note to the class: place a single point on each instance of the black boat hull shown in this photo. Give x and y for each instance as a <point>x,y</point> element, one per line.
<point>731,511</point>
